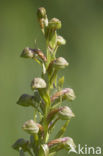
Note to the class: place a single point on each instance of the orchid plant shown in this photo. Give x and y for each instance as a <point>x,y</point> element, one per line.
<point>48,96</point>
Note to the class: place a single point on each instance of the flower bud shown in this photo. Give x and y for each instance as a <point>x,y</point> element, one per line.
<point>26,100</point>
<point>27,53</point>
<point>41,13</point>
<point>38,83</point>
<point>21,143</point>
<point>65,113</point>
<point>54,23</point>
<point>31,127</point>
<point>70,95</point>
<point>60,40</point>
<point>60,63</point>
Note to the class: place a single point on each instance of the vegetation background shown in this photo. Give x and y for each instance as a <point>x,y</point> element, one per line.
<point>82,22</point>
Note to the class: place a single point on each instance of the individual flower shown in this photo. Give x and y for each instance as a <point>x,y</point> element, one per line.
<point>38,83</point>
<point>30,127</point>
<point>65,113</point>
<point>60,63</point>
<point>54,23</point>
<point>27,53</point>
<point>60,40</point>
<point>41,12</point>
<point>66,93</point>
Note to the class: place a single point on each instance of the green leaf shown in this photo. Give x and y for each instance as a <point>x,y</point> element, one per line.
<point>52,124</point>
<point>52,39</point>
<point>26,100</point>
<point>44,95</point>
<point>44,150</point>
<point>61,82</point>
<point>52,154</point>
<point>62,130</point>
<point>21,143</point>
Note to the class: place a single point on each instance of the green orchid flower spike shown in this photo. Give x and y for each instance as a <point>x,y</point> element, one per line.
<point>48,96</point>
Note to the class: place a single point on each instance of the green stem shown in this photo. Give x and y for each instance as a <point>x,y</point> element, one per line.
<point>52,125</point>
<point>53,77</point>
<point>62,130</point>
<point>21,152</point>
<point>30,153</point>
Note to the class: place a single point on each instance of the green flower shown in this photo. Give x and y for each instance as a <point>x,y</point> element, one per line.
<point>60,40</point>
<point>54,23</point>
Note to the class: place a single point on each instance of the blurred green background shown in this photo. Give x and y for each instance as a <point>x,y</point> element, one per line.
<point>82,22</point>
